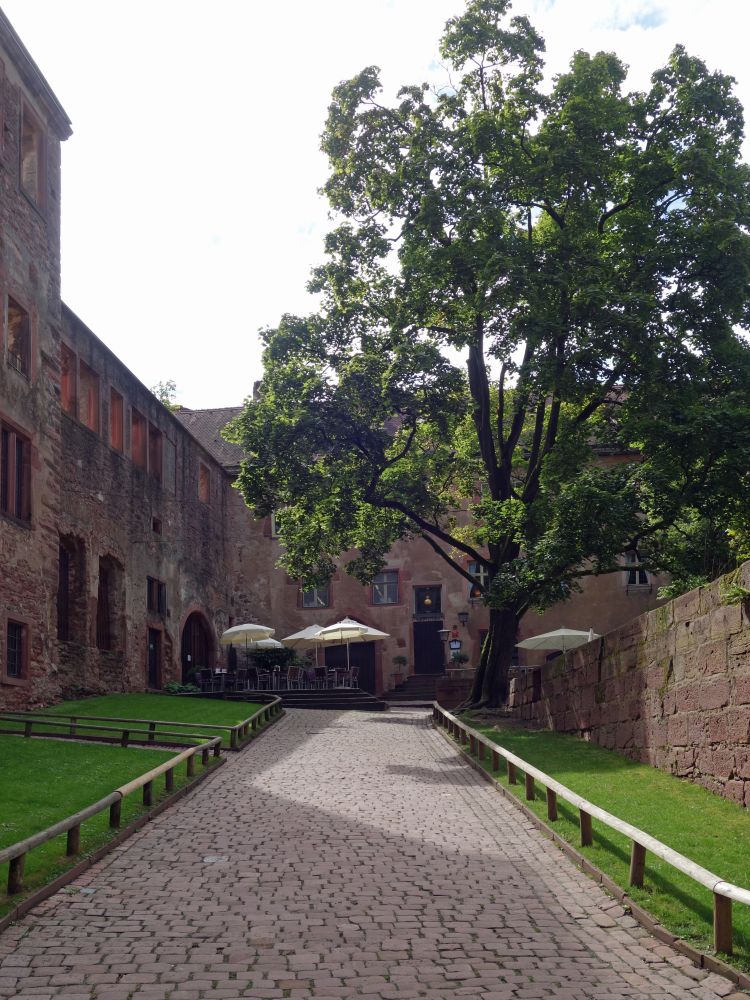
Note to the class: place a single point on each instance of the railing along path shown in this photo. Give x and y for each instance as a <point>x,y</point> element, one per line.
<point>176,730</point>
<point>641,842</point>
<point>15,855</point>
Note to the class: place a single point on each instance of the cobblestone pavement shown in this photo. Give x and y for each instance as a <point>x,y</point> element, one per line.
<point>344,855</point>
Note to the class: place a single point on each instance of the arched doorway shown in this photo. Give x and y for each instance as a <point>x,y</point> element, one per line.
<point>197,646</point>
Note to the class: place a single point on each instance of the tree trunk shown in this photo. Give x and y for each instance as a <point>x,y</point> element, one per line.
<point>490,688</point>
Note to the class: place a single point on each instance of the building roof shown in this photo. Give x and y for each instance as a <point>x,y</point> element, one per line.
<point>206,426</point>
<point>33,79</point>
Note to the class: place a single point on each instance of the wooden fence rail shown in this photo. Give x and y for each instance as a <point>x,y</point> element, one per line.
<point>15,855</point>
<point>75,723</point>
<point>641,842</point>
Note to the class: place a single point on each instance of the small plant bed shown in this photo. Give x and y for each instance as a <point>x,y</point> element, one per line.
<point>702,826</point>
<point>163,709</point>
<point>45,781</point>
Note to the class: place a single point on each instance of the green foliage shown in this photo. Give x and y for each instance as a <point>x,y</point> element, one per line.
<point>267,659</point>
<point>165,392</point>
<point>526,349</point>
<point>174,687</point>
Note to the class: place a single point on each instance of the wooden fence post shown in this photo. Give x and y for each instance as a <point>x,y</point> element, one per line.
<point>587,833</point>
<point>151,732</point>
<point>191,766</point>
<point>15,874</point>
<point>124,738</point>
<point>495,760</point>
<point>722,924</point>
<point>73,845</point>
<point>147,793</point>
<point>115,811</point>
<point>204,757</point>
<point>233,738</point>
<point>551,805</point>
<point>637,863</point>
<point>169,779</point>
<point>511,772</point>
<point>529,781</point>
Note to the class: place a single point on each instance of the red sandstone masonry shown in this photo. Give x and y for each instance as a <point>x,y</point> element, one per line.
<point>674,690</point>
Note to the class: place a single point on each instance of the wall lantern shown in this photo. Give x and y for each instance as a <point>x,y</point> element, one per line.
<point>427,601</point>
<point>444,633</point>
<point>454,644</point>
<point>463,617</point>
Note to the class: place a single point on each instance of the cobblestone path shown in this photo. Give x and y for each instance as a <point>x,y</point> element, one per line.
<point>344,855</point>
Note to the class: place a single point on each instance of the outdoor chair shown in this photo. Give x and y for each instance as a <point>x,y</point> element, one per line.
<point>205,679</point>
<point>295,677</point>
<point>258,680</point>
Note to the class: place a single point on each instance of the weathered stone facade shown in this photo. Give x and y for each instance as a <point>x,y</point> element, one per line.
<point>671,688</point>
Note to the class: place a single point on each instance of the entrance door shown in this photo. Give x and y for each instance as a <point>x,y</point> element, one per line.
<point>362,655</point>
<point>429,650</point>
<point>154,658</point>
<point>197,648</point>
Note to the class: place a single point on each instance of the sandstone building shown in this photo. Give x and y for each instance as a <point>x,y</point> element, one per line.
<point>125,551</point>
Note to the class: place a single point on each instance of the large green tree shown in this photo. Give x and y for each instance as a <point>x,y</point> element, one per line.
<point>527,349</point>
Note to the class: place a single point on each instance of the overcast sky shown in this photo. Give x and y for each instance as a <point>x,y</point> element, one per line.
<point>191,217</point>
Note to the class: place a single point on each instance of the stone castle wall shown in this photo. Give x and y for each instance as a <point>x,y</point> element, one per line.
<point>670,688</point>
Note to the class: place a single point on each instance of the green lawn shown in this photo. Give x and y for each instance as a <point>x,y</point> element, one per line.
<point>707,829</point>
<point>162,708</point>
<point>44,781</point>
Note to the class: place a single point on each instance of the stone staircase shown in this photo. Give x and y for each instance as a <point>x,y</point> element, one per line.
<point>418,689</point>
<point>335,699</point>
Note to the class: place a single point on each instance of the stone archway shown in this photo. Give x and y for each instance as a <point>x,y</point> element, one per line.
<point>197,646</point>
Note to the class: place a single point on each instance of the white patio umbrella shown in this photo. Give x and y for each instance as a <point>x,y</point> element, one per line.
<point>249,632</point>
<point>344,631</point>
<point>560,638</point>
<point>265,644</point>
<point>304,638</point>
<point>347,630</point>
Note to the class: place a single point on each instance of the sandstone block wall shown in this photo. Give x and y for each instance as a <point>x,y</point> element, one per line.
<point>670,688</point>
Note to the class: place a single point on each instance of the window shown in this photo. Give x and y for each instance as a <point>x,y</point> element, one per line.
<point>154,451</point>
<point>427,601</point>
<point>316,597</point>
<point>481,575</point>
<point>275,524</point>
<point>637,577</point>
<point>63,594</point>
<point>138,438</point>
<point>18,327</point>
<point>32,157</point>
<point>16,648</point>
<point>204,483</point>
<point>156,595</point>
<point>72,595</point>
<point>156,525</point>
<point>109,605</point>
<point>116,420</point>
<point>88,403</point>
<point>68,380</point>
<point>385,588</point>
<point>15,473</point>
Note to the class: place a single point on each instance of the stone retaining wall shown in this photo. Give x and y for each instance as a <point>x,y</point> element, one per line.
<point>671,688</point>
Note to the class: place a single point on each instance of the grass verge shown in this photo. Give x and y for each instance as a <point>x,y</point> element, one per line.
<point>161,708</point>
<point>44,781</point>
<point>707,829</point>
